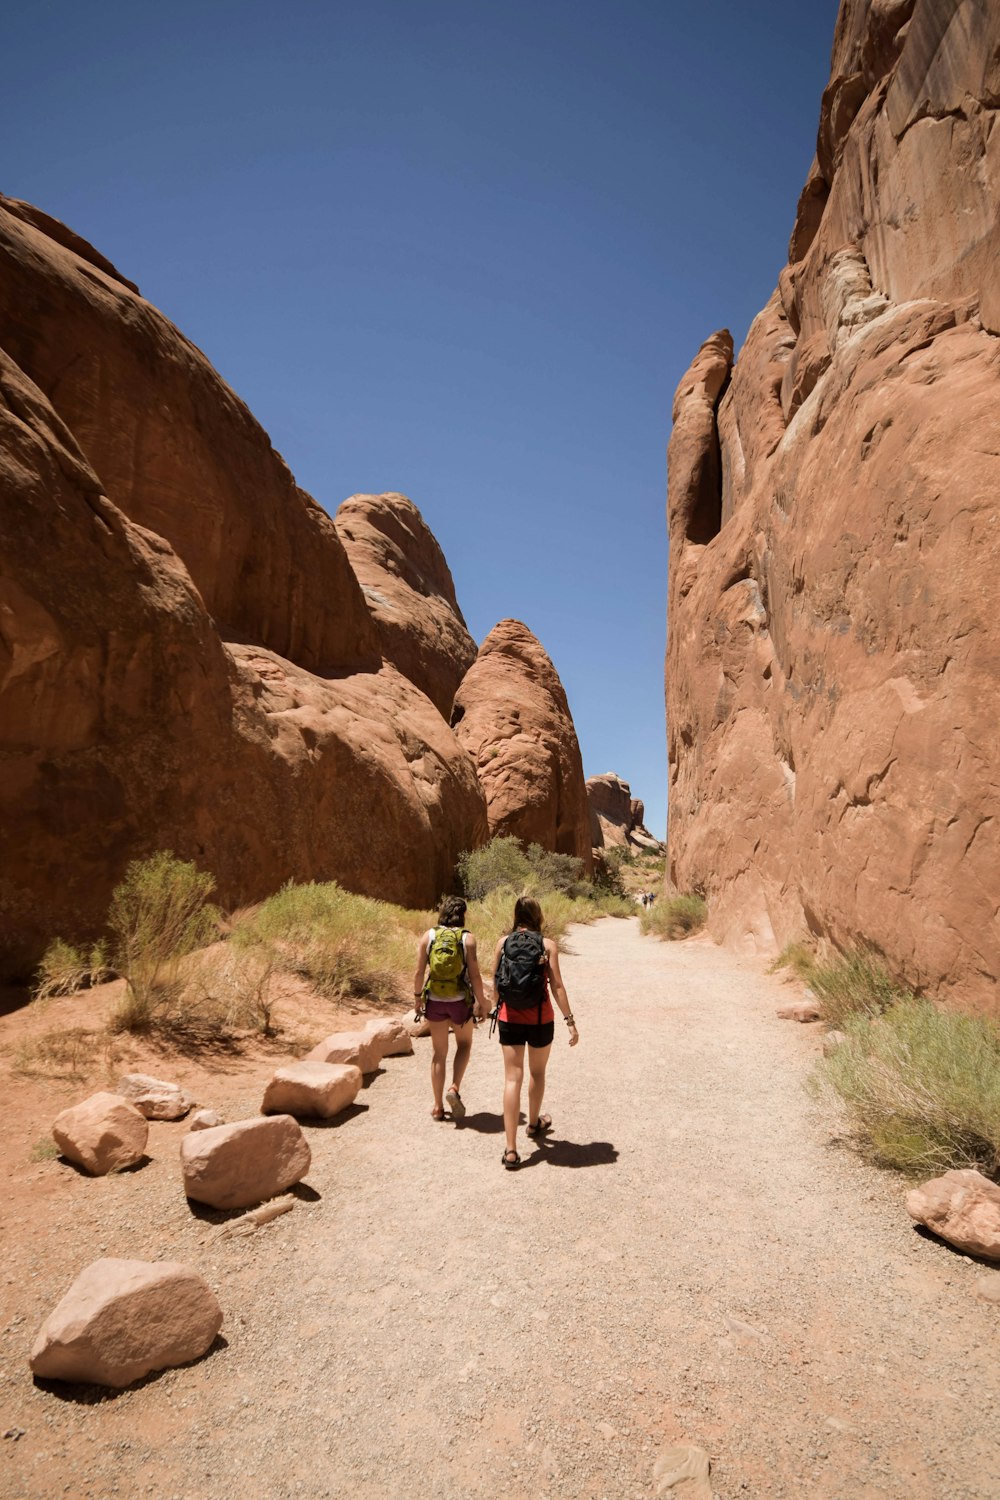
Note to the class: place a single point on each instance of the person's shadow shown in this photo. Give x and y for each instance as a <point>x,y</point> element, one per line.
<point>556,1153</point>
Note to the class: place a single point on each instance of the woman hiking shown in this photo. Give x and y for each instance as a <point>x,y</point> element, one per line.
<point>526,966</point>
<point>449,996</point>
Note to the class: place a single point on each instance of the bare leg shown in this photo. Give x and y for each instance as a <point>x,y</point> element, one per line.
<point>463,1050</point>
<point>513,1068</point>
<point>439,1062</point>
<point>538,1058</point>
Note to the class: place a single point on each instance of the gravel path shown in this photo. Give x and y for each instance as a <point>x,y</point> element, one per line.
<point>690,1256</point>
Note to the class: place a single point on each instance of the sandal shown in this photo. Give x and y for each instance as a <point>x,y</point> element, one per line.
<point>542,1126</point>
<point>437,1114</point>
<point>510,1159</point>
<point>454,1099</point>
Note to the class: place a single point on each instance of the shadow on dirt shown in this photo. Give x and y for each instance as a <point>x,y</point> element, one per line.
<point>97,1395</point>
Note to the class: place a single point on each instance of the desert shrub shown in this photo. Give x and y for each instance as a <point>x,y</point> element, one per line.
<point>231,990</point>
<point>674,916</point>
<point>501,862</point>
<point>556,872</point>
<point>608,867</point>
<point>855,983</point>
<point>65,969</point>
<point>159,913</point>
<point>72,1053</point>
<point>797,956</point>
<point>921,1087</point>
<point>344,945</point>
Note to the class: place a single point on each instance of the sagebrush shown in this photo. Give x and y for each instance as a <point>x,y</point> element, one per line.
<point>159,913</point>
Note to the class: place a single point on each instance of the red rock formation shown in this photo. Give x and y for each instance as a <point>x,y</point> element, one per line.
<point>410,592</point>
<point>616,817</point>
<point>128,725</point>
<point>512,716</point>
<point>176,450</point>
<point>834,639</point>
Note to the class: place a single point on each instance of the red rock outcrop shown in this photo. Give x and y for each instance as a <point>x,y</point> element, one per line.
<point>176,450</point>
<point>410,592</point>
<point>834,636</point>
<point>127,724</point>
<point>512,716</point>
<point>616,817</point>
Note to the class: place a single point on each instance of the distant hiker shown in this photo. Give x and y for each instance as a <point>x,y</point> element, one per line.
<point>449,996</point>
<point>525,965</point>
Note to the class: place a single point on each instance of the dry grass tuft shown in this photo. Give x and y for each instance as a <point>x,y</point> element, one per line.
<point>674,917</point>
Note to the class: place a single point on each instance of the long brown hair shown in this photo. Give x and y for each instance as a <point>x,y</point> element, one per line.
<point>452,913</point>
<point>528,913</point>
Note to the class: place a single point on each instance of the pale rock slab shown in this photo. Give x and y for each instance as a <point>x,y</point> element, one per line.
<point>987,1288</point>
<point>102,1134</point>
<point>357,1047</point>
<point>832,1040</point>
<point>392,1035</point>
<point>316,1090</point>
<point>415,1027</point>
<point>800,1010</point>
<point>962,1207</point>
<point>154,1098</point>
<point>122,1318</point>
<point>235,1166</point>
<point>682,1473</point>
<point>205,1119</point>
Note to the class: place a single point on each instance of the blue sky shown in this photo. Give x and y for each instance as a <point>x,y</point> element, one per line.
<point>463,250</point>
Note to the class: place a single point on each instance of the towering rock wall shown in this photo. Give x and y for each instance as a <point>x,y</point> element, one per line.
<point>834,631</point>
<point>512,716</point>
<point>215,684</point>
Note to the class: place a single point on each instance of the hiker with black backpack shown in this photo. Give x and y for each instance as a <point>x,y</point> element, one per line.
<point>526,967</point>
<point>448,991</point>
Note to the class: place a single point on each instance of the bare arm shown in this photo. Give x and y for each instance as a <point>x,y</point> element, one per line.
<point>419,972</point>
<point>475,978</point>
<point>559,990</point>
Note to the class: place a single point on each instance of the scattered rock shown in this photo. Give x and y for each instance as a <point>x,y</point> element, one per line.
<point>414,1027</point>
<point>683,1470</point>
<point>357,1047</point>
<point>393,1036</point>
<point>988,1287</point>
<point>102,1134</point>
<point>962,1207</point>
<point>234,1166</point>
<point>205,1119</point>
<point>122,1318</point>
<point>154,1098</point>
<point>317,1090</point>
<point>800,1010</point>
<point>832,1040</point>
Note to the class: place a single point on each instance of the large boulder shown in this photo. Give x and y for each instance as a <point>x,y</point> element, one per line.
<point>122,1318</point>
<point>410,592</point>
<point>512,716</point>
<point>963,1207</point>
<point>127,724</point>
<point>361,1049</point>
<point>312,1090</point>
<point>610,802</point>
<point>393,1036</point>
<point>235,1166</point>
<point>833,630</point>
<point>102,1134</point>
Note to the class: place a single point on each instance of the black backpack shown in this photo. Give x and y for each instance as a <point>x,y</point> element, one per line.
<point>520,975</point>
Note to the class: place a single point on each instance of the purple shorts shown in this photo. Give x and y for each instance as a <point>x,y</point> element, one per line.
<point>455,1011</point>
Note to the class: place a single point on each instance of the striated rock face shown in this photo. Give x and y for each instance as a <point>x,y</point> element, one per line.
<point>616,817</point>
<point>127,723</point>
<point>834,637</point>
<point>512,716</point>
<point>409,589</point>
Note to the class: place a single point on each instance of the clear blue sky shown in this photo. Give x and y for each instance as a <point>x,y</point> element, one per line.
<point>464,250</point>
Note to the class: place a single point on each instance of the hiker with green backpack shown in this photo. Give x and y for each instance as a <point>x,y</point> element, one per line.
<point>448,991</point>
<point>526,968</point>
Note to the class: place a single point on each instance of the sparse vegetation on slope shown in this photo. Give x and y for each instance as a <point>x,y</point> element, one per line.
<point>159,914</point>
<point>674,917</point>
<point>921,1086</point>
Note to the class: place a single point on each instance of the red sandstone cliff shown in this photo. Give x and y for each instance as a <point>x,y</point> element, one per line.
<point>834,630</point>
<point>187,660</point>
<point>512,716</point>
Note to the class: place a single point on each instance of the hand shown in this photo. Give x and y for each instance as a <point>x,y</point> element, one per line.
<point>574,1036</point>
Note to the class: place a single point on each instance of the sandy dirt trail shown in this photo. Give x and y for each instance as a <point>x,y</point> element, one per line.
<point>690,1256</point>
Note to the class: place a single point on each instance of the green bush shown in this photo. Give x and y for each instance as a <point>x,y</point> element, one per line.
<point>674,917</point>
<point>159,913</point>
<point>501,862</point>
<point>855,983</point>
<point>65,969</point>
<point>344,945</point>
<point>797,956</point>
<point>921,1087</point>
